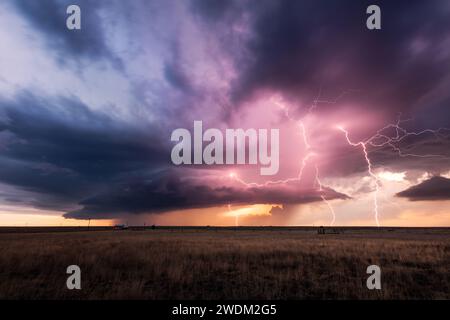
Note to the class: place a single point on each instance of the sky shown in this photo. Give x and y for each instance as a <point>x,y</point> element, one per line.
<point>86,116</point>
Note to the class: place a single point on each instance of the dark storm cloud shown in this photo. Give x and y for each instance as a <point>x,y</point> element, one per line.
<point>173,70</point>
<point>300,46</point>
<point>174,75</point>
<point>64,131</point>
<point>214,11</point>
<point>49,18</point>
<point>436,188</point>
<point>59,147</point>
<point>65,155</point>
<point>170,190</point>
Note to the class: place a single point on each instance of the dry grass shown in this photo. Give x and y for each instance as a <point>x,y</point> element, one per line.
<point>225,264</point>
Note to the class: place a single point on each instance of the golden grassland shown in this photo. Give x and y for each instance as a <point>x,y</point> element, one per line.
<point>224,263</point>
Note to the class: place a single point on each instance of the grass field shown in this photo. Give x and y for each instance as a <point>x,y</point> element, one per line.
<point>225,263</point>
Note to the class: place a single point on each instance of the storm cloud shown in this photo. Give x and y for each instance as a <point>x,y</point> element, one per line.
<point>49,18</point>
<point>94,141</point>
<point>170,190</point>
<point>60,147</point>
<point>436,188</point>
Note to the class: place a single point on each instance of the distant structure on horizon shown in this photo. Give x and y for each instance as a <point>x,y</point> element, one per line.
<point>323,230</point>
<point>120,227</point>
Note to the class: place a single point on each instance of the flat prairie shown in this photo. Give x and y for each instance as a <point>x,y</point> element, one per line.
<point>225,263</point>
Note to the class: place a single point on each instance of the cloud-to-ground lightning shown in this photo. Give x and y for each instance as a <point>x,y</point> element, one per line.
<point>333,214</point>
<point>236,216</point>
<point>392,142</point>
<point>303,163</point>
<point>401,134</point>
<point>380,139</point>
<point>369,168</point>
<point>309,154</point>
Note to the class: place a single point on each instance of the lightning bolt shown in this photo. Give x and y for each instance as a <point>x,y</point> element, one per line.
<point>304,161</point>
<point>319,99</point>
<point>400,135</point>
<point>369,169</point>
<point>330,207</point>
<point>378,141</point>
<point>236,216</point>
<point>392,142</point>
